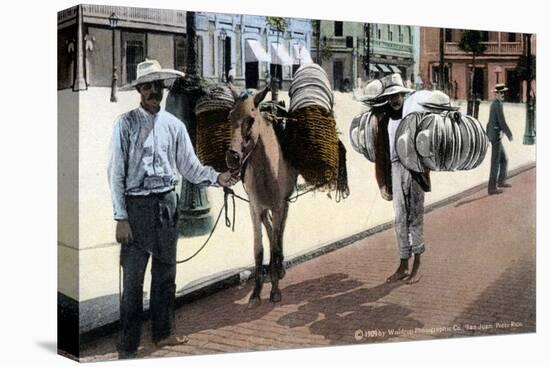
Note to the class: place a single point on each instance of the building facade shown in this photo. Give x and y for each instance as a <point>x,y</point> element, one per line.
<point>242,44</point>
<point>342,49</point>
<point>253,51</point>
<point>86,41</point>
<point>496,65</point>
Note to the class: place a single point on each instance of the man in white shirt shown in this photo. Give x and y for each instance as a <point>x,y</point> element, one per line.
<point>407,189</point>
<point>150,149</point>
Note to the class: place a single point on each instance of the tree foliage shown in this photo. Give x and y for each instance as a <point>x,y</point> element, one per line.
<point>472,42</point>
<point>278,24</point>
<point>522,69</point>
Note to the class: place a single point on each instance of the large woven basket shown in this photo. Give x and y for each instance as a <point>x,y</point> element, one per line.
<point>312,145</point>
<point>213,138</point>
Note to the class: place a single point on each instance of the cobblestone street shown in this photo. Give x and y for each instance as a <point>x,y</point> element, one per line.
<point>478,278</point>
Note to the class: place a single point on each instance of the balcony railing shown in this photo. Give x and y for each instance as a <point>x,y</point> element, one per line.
<point>493,48</point>
<point>143,15</point>
<point>391,48</point>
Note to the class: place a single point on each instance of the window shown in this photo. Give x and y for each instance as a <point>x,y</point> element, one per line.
<point>390,34</point>
<point>338,29</point>
<point>134,53</point>
<point>179,49</point>
<point>349,41</point>
<point>484,36</point>
<point>379,33</point>
<point>400,34</point>
<point>448,35</point>
<point>410,35</point>
<point>512,37</point>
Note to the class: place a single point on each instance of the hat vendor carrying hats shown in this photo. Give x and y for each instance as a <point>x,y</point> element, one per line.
<point>393,84</point>
<point>150,71</point>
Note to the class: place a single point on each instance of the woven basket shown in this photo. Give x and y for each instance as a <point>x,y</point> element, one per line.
<point>213,138</point>
<point>311,144</point>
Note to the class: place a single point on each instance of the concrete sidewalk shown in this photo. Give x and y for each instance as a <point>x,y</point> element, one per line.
<point>478,279</point>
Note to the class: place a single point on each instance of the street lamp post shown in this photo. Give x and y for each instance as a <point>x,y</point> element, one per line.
<point>223,36</point>
<point>113,21</point>
<point>529,135</point>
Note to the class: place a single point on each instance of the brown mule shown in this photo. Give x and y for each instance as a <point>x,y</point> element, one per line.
<point>268,179</point>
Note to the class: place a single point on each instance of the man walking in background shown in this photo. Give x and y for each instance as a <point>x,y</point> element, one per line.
<point>495,128</point>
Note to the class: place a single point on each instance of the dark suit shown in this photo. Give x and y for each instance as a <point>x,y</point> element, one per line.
<point>499,162</point>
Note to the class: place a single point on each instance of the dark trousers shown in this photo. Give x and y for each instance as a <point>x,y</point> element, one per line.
<point>153,223</point>
<point>499,165</point>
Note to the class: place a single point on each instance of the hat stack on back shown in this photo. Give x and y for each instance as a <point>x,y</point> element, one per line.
<point>310,87</point>
<point>213,129</point>
<point>440,138</point>
<point>311,138</point>
<point>364,127</point>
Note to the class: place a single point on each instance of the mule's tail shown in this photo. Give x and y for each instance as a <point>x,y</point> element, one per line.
<point>342,188</point>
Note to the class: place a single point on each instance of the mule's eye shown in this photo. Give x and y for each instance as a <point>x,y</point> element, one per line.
<point>247,126</point>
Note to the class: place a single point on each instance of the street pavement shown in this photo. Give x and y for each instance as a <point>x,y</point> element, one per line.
<point>478,278</point>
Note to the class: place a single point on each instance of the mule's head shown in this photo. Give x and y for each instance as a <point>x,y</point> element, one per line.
<point>245,119</point>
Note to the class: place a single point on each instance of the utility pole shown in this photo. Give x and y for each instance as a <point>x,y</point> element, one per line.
<point>194,207</point>
<point>441,59</point>
<point>367,53</point>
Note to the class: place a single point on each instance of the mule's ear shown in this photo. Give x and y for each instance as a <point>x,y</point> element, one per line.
<point>233,90</point>
<point>259,97</point>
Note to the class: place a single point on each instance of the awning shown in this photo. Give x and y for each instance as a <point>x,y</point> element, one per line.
<point>279,55</point>
<point>254,52</point>
<point>395,69</point>
<point>300,55</point>
<point>383,68</point>
<point>373,68</point>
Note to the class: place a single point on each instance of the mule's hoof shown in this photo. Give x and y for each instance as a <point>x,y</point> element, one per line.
<point>275,296</point>
<point>254,302</point>
<point>282,273</point>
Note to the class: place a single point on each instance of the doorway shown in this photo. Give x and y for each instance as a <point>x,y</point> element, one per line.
<point>251,74</point>
<point>338,74</point>
<point>479,83</point>
<point>513,84</point>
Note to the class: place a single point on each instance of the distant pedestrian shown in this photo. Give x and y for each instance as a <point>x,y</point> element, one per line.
<point>495,128</point>
<point>150,149</point>
<point>418,82</point>
<point>231,74</point>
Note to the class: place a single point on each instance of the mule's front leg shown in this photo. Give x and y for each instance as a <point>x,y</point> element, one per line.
<point>279,254</point>
<point>255,300</point>
<point>276,264</point>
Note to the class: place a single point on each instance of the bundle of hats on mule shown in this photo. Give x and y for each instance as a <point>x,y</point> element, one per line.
<point>311,142</point>
<point>213,129</point>
<point>432,135</point>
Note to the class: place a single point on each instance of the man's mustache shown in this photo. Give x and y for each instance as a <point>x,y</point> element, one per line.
<point>155,97</point>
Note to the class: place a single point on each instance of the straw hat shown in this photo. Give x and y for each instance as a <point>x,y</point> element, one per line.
<point>372,93</point>
<point>393,84</point>
<point>151,71</point>
<point>501,87</point>
<point>438,101</point>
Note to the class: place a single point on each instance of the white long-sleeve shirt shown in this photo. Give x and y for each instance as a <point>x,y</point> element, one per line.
<point>148,151</point>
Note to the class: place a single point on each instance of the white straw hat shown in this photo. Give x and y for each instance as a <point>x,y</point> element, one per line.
<point>393,84</point>
<point>151,71</point>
